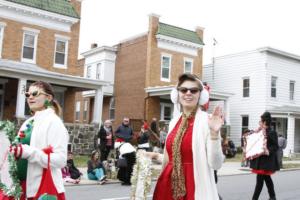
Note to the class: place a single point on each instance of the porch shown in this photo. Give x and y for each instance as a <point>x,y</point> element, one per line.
<point>286,121</point>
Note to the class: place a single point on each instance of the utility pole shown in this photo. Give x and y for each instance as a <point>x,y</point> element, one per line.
<point>215,42</point>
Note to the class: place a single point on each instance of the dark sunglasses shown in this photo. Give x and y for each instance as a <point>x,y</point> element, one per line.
<point>184,90</point>
<point>34,93</point>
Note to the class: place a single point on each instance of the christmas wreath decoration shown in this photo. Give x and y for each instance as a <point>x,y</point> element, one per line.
<point>7,130</point>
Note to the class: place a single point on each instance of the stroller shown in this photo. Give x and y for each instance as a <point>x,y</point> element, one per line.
<point>231,150</point>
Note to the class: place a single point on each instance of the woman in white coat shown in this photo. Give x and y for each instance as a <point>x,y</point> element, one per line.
<point>193,146</point>
<point>41,132</point>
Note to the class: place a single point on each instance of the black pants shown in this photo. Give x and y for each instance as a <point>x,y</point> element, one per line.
<point>105,153</point>
<point>125,173</point>
<point>260,183</point>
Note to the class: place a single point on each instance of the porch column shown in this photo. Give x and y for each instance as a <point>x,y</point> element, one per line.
<point>290,136</point>
<point>227,111</point>
<point>20,107</point>
<point>98,105</point>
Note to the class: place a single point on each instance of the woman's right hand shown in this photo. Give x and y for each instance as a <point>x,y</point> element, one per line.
<point>16,150</point>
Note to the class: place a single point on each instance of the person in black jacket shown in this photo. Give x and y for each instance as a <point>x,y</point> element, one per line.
<point>106,139</point>
<point>74,171</point>
<point>266,165</point>
<point>124,132</point>
<point>143,139</point>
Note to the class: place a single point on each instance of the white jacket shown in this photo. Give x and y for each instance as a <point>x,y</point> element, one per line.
<point>207,156</point>
<point>48,129</point>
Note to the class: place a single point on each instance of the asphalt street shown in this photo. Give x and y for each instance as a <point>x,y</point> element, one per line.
<point>232,187</point>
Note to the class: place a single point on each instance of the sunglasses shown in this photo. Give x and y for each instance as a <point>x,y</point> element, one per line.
<point>184,90</point>
<point>35,93</point>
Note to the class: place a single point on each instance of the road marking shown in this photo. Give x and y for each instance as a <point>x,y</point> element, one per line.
<point>121,198</point>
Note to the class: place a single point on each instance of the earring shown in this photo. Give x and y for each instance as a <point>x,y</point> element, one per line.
<point>47,103</point>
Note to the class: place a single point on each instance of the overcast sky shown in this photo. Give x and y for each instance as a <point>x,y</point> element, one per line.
<point>237,25</point>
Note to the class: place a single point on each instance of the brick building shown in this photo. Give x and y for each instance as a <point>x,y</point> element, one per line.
<point>145,69</point>
<point>39,41</point>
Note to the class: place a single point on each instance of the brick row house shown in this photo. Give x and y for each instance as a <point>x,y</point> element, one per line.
<point>39,41</point>
<point>142,70</point>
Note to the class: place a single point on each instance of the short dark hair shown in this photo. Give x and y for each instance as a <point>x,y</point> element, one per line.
<point>246,131</point>
<point>266,117</point>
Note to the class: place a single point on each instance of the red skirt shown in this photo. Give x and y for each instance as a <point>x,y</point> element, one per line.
<point>262,172</point>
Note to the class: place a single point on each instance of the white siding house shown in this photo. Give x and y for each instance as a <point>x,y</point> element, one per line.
<point>264,79</point>
<point>100,65</point>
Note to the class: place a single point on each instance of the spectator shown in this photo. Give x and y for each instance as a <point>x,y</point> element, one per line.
<point>106,139</point>
<point>281,146</point>
<point>124,132</point>
<point>126,151</point>
<point>67,176</point>
<point>145,124</point>
<point>162,136</point>
<point>74,172</point>
<point>143,139</point>
<point>245,162</point>
<point>153,126</point>
<point>95,168</point>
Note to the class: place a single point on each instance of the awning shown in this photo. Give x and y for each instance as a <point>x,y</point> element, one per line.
<point>15,69</point>
<point>284,109</point>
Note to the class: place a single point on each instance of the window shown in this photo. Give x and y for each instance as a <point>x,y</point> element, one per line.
<point>246,87</point>
<point>165,67</point>
<point>273,86</point>
<point>112,108</point>
<point>188,65</point>
<point>166,111</point>
<point>2,25</point>
<point>29,47</point>
<point>61,52</point>
<point>98,71</point>
<point>85,108</point>
<point>77,114</point>
<point>292,90</point>
<point>88,71</point>
<point>245,123</point>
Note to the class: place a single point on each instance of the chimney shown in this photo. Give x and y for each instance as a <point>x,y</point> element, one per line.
<point>153,22</point>
<point>94,45</point>
<point>77,5</point>
<point>199,31</point>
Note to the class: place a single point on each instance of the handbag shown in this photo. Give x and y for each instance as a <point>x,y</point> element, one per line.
<point>47,189</point>
<point>256,145</point>
<point>121,162</point>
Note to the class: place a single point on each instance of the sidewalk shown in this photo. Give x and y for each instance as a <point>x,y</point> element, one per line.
<point>228,168</point>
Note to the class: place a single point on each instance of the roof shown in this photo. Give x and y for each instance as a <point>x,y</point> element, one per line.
<point>63,7</point>
<point>16,69</point>
<point>179,33</point>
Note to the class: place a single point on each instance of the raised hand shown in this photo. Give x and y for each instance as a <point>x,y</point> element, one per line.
<point>216,120</point>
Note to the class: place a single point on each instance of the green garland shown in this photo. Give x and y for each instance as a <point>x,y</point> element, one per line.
<point>16,190</point>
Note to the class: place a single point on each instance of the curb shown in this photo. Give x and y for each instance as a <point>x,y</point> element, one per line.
<point>96,183</point>
<point>248,171</point>
<point>243,171</point>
